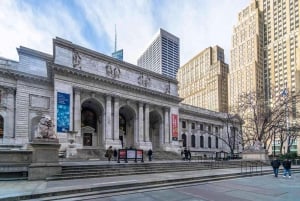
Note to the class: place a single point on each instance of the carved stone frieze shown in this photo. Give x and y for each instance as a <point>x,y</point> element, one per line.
<point>76,60</point>
<point>167,88</point>
<point>113,71</point>
<point>144,80</point>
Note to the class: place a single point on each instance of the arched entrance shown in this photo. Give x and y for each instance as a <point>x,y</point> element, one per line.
<point>91,123</point>
<point>155,129</point>
<point>126,126</point>
<point>183,138</point>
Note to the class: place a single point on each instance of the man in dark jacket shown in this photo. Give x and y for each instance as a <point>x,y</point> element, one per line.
<point>287,167</point>
<point>275,164</point>
<point>150,152</point>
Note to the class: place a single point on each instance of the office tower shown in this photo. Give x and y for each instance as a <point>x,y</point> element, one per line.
<point>162,55</point>
<point>203,80</point>
<point>246,67</point>
<point>278,58</point>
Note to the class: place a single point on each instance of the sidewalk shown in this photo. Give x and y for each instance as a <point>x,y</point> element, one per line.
<point>19,188</point>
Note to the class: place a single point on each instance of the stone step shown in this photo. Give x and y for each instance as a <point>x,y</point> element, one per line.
<point>115,170</point>
<point>96,192</point>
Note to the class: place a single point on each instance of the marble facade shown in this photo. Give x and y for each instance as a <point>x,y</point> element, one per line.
<point>96,101</point>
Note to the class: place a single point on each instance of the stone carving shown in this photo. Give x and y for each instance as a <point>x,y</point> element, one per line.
<point>76,60</point>
<point>113,72</point>
<point>45,128</point>
<point>257,146</point>
<point>167,88</point>
<point>144,80</point>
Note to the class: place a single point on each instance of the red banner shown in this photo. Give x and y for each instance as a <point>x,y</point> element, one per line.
<point>174,126</point>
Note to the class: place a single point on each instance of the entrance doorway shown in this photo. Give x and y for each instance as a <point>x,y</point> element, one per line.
<point>155,129</point>
<point>126,126</point>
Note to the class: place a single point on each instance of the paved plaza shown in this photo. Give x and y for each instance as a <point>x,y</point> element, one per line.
<point>258,188</point>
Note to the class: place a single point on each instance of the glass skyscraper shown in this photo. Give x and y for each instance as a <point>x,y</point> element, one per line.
<point>162,55</point>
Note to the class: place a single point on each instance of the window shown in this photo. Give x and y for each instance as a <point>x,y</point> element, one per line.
<point>1,126</point>
<point>201,127</point>
<point>183,124</point>
<point>216,130</point>
<point>209,142</point>
<point>183,137</point>
<point>193,125</point>
<point>217,142</point>
<point>209,129</point>
<point>193,141</point>
<point>201,141</point>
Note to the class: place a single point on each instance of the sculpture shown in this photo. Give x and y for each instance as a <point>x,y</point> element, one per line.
<point>45,128</point>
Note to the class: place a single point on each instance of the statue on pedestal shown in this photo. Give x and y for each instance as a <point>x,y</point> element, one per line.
<point>45,128</point>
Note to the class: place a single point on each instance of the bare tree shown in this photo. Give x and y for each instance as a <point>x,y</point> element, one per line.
<point>264,119</point>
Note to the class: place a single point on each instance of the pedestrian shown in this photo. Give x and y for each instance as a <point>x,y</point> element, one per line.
<point>189,155</point>
<point>287,167</point>
<point>109,153</point>
<point>115,154</point>
<point>186,155</point>
<point>275,165</point>
<point>150,152</point>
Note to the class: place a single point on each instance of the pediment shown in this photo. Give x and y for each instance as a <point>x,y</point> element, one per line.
<point>87,129</point>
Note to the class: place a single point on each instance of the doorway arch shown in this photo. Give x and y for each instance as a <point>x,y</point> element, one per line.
<point>155,129</point>
<point>127,129</point>
<point>91,122</point>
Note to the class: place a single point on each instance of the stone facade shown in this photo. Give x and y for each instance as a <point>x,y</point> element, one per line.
<point>95,101</point>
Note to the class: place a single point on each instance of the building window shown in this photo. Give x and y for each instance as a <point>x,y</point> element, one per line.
<point>183,124</point>
<point>193,141</point>
<point>216,130</point>
<point>1,126</point>
<point>201,127</point>
<point>201,141</point>
<point>209,129</point>
<point>183,137</point>
<point>193,125</point>
<point>217,142</point>
<point>209,142</point>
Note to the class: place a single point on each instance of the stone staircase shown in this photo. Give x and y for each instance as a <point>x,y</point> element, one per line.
<point>93,153</point>
<point>121,169</point>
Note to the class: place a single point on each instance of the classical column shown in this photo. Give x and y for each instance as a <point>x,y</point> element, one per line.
<point>108,134</point>
<point>167,125</point>
<point>77,112</point>
<point>141,122</point>
<point>116,118</point>
<point>10,113</point>
<point>189,135</point>
<point>147,138</point>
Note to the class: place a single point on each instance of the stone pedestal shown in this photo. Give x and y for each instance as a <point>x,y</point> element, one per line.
<point>260,155</point>
<point>44,159</point>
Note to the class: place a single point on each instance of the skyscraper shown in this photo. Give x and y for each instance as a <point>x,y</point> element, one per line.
<point>203,80</point>
<point>265,53</point>
<point>162,55</point>
<point>246,67</point>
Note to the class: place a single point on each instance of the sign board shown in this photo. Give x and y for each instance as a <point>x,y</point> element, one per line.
<point>63,112</point>
<point>174,127</point>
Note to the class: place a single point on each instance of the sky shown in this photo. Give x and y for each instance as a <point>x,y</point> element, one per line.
<point>91,23</point>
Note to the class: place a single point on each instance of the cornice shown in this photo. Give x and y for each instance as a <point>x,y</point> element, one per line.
<point>24,76</point>
<point>78,73</point>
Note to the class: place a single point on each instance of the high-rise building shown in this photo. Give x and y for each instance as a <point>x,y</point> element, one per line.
<point>246,66</point>
<point>203,80</point>
<point>162,55</point>
<point>265,52</point>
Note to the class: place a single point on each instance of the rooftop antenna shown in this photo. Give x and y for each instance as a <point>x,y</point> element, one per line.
<point>115,37</point>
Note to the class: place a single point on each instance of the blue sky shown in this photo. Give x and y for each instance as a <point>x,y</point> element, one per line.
<point>91,23</point>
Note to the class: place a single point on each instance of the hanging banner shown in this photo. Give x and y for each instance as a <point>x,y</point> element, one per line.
<point>174,127</point>
<point>63,112</point>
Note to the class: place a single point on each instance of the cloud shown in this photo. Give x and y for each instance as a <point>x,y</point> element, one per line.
<point>198,23</point>
<point>24,25</point>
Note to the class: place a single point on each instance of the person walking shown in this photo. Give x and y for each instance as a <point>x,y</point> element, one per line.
<point>109,153</point>
<point>275,165</point>
<point>186,154</point>
<point>287,167</point>
<point>115,154</point>
<point>150,152</point>
<point>189,155</point>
